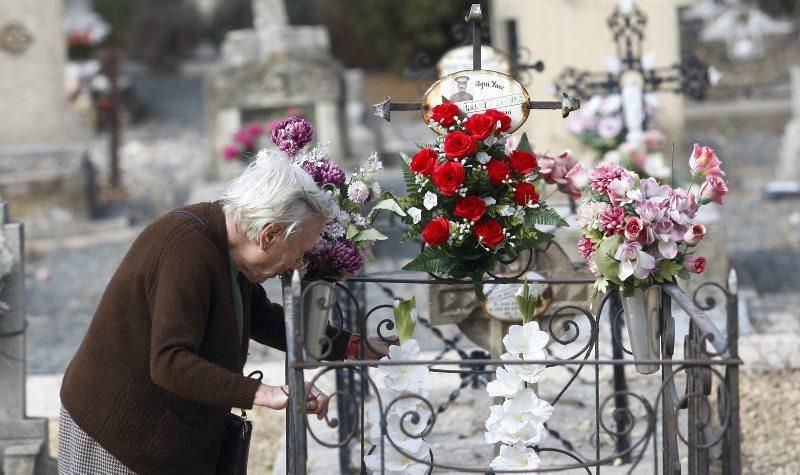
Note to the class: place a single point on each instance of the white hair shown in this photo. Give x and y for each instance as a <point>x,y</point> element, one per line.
<point>273,190</point>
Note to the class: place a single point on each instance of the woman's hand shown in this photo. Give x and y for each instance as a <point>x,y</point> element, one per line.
<point>277,397</point>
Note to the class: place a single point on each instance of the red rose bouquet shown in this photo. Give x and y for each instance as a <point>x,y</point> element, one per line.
<point>472,196</point>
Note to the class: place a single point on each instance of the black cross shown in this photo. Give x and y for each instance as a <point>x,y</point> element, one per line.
<point>690,77</point>
<point>475,18</point>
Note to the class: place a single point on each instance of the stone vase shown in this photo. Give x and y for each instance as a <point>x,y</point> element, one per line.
<point>319,300</point>
<point>642,317</point>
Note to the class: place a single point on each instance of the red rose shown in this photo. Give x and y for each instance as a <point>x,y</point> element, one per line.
<point>424,161</point>
<point>498,171</point>
<point>502,117</point>
<point>436,232</point>
<point>445,114</point>
<point>471,208</point>
<point>448,177</point>
<point>459,145</point>
<point>522,161</point>
<point>479,126</point>
<point>525,193</point>
<point>489,232</point>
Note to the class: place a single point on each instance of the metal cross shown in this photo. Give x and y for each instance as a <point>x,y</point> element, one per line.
<point>690,77</point>
<point>475,18</point>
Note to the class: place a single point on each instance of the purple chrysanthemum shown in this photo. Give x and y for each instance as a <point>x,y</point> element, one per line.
<point>332,173</point>
<point>292,134</point>
<point>345,258</point>
<point>312,169</point>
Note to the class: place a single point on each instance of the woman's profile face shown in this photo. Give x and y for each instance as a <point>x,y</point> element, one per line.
<point>273,254</point>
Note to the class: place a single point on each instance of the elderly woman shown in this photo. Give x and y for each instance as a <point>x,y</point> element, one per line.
<point>161,363</point>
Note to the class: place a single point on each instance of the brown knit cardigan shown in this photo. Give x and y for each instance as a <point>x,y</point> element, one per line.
<point>161,363</point>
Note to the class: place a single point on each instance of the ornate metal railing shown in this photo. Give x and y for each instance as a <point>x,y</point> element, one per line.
<point>687,422</point>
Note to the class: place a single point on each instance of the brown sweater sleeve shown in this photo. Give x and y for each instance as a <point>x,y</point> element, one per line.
<point>180,304</point>
<point>268,326</point>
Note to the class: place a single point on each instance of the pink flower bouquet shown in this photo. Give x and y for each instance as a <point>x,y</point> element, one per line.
<point>638,232</point>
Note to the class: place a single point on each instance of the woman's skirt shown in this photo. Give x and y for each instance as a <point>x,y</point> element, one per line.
<point>80,454</point>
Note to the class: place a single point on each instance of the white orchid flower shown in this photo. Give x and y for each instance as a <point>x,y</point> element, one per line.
<point>415,213</point>
<point>429,200</point>
<point>634,261</point>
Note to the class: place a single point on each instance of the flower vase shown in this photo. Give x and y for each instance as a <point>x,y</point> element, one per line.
<point>318,299</point>
<point>642,317</point>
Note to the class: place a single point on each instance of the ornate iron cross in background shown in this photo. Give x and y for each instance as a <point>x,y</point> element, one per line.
<point>691,77</point>
<point>475,18</point>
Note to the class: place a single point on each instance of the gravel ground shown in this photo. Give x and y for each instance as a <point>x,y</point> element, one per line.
<point>771,423</point>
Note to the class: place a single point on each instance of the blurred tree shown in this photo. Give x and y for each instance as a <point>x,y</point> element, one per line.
<point>383,34</point>
<point>229,15</point>
<point>158,32</point>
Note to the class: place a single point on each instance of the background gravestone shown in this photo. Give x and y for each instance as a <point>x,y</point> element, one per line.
<point>23,441</point>
<point>271,71</point>
<point>44,173</point>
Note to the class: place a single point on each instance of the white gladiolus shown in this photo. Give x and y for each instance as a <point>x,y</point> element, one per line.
<point>515,457</point>
<point>520,419</point>
<point>525,339</point>
<point>507,384</point>
<point>396,463</point>
<point>405,377</point>
<point>530,373</point>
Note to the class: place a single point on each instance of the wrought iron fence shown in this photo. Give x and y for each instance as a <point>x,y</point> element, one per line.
<point>690,421</point>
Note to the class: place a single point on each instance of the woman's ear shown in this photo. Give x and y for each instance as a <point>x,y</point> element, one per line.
<point>271,234</point>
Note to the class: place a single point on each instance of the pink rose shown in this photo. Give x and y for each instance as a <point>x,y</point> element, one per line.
<point>713,189</point>
<point>704,162</point>
<point>633,228</point>
<point>578,176</point>
<point>694,234</point>
<point>695,265</point>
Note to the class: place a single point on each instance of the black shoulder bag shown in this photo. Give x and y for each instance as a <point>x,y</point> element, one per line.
<point>236,439</point>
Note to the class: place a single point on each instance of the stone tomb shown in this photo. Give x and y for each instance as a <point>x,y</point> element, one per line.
<point>271,71</point>
<point>23,440</point>
<point>43,166</point>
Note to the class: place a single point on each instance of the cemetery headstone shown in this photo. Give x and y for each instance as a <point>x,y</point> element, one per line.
<point>272,70</point>
<point>43,167</point>
<point>23,440</point>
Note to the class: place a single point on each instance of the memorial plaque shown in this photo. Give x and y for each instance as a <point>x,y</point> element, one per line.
<point>460,59</point>
<point>475,91</point>
<point>501,299</point>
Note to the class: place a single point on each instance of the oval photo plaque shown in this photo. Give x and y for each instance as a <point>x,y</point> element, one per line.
<point>475,91</point>
<point>501,299</point>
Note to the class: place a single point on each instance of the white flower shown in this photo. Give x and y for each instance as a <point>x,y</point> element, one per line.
<point>359,220</point>
<point>415,213</point>
<point>429,200</point>
<point>512,142</point>
<point>344,218</point>
<point>402,402</point>
<point>529,373</point>
<point>405,377</point>
<point>515,457</point>
<point>396,463</point>
<point>483,157</point>
<point>520,419</point>
<point>376,190</point>
<point>334,230</point>
<point>507,384</point>
<point>358,192</point>
<point>506,210</point>
<point>589,214</point>
<point>394,430</point>
<point>525,338</point>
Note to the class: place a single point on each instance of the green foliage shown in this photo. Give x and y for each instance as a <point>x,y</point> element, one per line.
<point>525,144</point>
<point>369,235</point>
<point>404,318</point>
<point>604,258</point>
<point>667,270</point>
<point>544,216</point>
<point>382,34</point>
<point>429,260</point>
<point>389,204</point>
